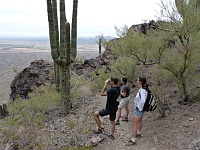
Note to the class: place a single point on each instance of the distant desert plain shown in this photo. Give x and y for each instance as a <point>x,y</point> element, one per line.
<point>17,53</point>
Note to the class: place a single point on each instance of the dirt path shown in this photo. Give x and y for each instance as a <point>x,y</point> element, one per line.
<point>123,132</point>
<point>179,130</point>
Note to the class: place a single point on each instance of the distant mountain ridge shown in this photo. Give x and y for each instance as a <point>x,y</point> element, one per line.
<point>81,40</point>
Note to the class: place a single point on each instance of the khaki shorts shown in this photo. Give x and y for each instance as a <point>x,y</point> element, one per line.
<point>124,102</point>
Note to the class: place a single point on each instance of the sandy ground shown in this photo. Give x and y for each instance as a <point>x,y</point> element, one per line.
<point>17,55</point>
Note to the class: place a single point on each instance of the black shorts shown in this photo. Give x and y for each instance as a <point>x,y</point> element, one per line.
<point>112,115</point>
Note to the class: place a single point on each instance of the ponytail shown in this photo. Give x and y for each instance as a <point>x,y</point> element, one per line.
<point>144,83</point>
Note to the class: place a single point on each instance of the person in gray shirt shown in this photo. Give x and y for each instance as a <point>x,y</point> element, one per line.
<point>125,99</point>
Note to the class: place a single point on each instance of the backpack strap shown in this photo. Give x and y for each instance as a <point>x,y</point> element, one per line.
<point>139,94</point>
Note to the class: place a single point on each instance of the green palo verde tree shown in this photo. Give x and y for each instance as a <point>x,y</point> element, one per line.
<point>173,46</point>
<point>60,49</point>
<point>182,58</point>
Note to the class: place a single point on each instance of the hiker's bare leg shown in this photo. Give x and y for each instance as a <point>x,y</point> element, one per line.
<point>135,125</point>
<point>119,111</point>
<point>127,111</point>
<point>112,123</point>
<point>98,121</point>
<point>140,124</point>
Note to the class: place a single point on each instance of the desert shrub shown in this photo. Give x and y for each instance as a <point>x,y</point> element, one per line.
<point>99,80</point>
<point>78,87</point>
<point>24,125</point>
<point>40,101</point>
<point>122,66</point>
<point>80,59</point>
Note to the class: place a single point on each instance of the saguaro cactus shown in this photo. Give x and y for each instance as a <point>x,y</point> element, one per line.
<point>100,45</point>
<point>74,31</point>
<point>56,66</point>
<point>64,67</point>
<point>60,50</point>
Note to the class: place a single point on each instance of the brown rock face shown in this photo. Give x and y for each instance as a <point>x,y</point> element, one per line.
<point>143,27</point>
<point>33,76</point>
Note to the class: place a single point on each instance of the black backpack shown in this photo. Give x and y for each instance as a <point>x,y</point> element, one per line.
<point>150,103</point>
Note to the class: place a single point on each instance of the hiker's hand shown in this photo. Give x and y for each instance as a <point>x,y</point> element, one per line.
<point>107,81</point>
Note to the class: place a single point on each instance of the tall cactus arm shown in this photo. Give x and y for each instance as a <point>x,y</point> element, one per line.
<point>62,31</point>
<point>53,43</point>
<point>55,16</point>
<point>56,65</point>
<point>68,87</point>
<point>74,30</point>
<point>68,61</point>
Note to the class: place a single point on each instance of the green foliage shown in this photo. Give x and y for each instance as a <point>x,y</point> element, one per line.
<point>173,45</point>
<point>78,85</point>
<point>25,128</point>
<point>24,124</point>
<point>122,66</point>
<point>100,79</point>
<point>71,124</point>
<point>32,111</point>
<point>15,70</point>
<point>79,59</point>
<point>182,58</point>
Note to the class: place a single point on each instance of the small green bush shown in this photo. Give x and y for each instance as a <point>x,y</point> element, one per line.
<point>24,125</point>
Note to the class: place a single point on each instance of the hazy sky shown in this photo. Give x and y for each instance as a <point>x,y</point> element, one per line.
<point>95,17</point>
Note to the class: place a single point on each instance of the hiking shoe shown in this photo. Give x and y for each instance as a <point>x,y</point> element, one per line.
<point>130,142</point>
<point>97,131</point>
<point>117,123</point>
<point>125,119</point>
<point>111,137</point>
<point>138,134</point>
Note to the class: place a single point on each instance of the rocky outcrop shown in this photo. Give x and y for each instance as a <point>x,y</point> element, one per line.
<point>33,76</point>
<point>143,27</point>
<point>38,73</point>
<point>92,65</point>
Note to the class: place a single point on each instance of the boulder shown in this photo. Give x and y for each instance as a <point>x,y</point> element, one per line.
<point>37,74</point>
